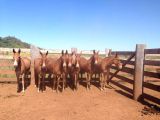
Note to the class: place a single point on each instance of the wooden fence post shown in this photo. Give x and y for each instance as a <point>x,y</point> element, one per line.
<point>139,69</point>
<point>108,68</point>
<point>34,52</point>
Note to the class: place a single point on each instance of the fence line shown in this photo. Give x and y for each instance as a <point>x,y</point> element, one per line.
<point>132,56</point>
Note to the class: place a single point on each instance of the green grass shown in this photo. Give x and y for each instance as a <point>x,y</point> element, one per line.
<point>7,76</point>
<point>6,68</point>
<point>12,42</point>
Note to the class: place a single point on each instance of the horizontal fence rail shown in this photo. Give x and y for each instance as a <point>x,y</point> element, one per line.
<point>126,74</point>
<point>152,51</point>
<point>152,61</point>
<point>123,52</point>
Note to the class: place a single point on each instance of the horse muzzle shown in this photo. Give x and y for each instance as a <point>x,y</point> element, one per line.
<point>120,66</point>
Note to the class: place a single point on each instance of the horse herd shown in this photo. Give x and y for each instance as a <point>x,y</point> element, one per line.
<point>67,65</point>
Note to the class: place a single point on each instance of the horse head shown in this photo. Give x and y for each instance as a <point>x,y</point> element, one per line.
<point>16,57</point>
<point>95,57</point>
<point>77,60</point>
<point>117,62</point>
<point>64,59</point>
<point>71,59</point>
<point>43,59</point>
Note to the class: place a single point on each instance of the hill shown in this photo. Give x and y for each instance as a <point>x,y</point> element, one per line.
<point>12,42</point>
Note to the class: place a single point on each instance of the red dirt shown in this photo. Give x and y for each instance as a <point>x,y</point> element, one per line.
<point>69,105</point>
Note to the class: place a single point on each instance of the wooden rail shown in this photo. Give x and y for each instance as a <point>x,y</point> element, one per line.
<point>140,72</point>
<point>152,63</point>
<point>125,69</point>
<point>152,51</point>
<point>136,59</point>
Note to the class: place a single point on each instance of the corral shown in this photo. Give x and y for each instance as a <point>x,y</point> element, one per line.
<point>116,102</point>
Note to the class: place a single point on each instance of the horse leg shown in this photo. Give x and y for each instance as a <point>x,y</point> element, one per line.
<point>75,81</point>
<point>89,80</point>
<point>43,83</point>
<point>86,75</point>
<point>36,78</point>
<point>101,84</point>
<point>108,70</point>
<point>95,76</point>
<point>39,82</point>
<point>23,83</point>
<point>103,81</point>
<point>18,83</point>
<point>58,78</point>
<point>63,86</point>
<point>53,83</point>
<point>65,82</point>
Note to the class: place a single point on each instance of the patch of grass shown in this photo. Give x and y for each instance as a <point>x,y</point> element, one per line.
<point>7,76</point>
<point>6,68</point>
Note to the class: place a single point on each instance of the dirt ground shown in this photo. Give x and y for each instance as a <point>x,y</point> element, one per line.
<point>69,105</point>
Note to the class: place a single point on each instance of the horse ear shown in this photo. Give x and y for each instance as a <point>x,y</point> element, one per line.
<point>94,51</point>
<point>72,53</point>
<point>19,51</point>
<point>62,52</point>
<point>109,53</point>
<point>14,50</point>
<point>40,52</point>
<point>46,53</point>
<point>67,52</point>
<point>116,56</point>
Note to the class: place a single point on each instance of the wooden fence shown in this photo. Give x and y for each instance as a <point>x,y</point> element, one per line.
<point>7,73</point>
<point>141,76</point>
<point>134,72</point>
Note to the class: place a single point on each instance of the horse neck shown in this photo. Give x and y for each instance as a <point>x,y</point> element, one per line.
<point>21,65</point>
<point>100,60</point>
<point>90,59</point>
<point>59,64</point>
<point>109,61</point>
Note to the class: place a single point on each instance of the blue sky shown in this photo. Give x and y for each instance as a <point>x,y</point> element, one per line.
<point>85,24</point>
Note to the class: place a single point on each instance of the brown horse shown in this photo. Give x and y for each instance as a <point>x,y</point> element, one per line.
<point>74,69</point>
<point>22,68</point>
<point>43,66</point>
<point>85,67</point>
<point>101,65</point>
<point>40,70</point>
<point>60,69</point>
